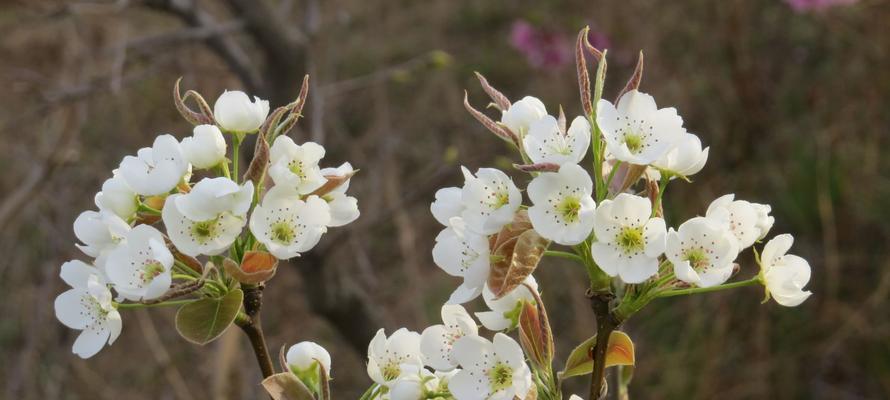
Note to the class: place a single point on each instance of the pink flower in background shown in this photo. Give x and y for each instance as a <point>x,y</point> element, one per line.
<point>543,49</point>
<point>802,6</point>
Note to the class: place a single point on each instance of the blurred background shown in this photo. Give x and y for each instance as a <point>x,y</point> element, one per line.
<point>791,95</point>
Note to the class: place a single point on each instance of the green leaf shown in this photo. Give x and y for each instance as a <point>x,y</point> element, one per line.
<point>286,386</point>
<point>620,352</point>
<point>203,321</point>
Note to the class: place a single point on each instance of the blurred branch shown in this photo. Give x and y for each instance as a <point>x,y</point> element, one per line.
<point>224,46</point>
<point>161,356</point>
<point>185,35</point>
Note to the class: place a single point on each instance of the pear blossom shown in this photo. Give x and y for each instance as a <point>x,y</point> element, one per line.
<point>389,357</point>
<point>447,205</point>
<point>784,275</point>
<point>209,237</point>
<point>522,114</point>
<point>504,312</point>
<point>628,242</point>
<point>213,196</point>
<point>296,165</point>
<point>117,197</point>
<point>412,384</point>
<point>686,158</point>
<point>99,231</point>
<point>546,144</point>
<point>747,221</point>
<point>141,269</point>
<point>463,253</point>
<point>493,370</point>
<point>304,356</point>
<point>702,252</point>
<point>344,209</point>
<point>87,307</point>
<point>437,341</point>
<point>637,132</point>
<point>235,113</point>
<point>490,200</point>
<point>155,170</point>
<point>563,209</point>
<point>287,225</point>
<point>206,148</point>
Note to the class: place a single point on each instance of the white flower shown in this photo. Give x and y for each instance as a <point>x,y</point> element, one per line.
<point>206,148</point>
<point>296,165</point>
<point>628,241</point>
<point>563,206</point>
<point>209,237</point>
<point>117,197</point>
<point>505,310</point>
<point>412,384</point>
<point>87,307</point>
<point>157,169</point>
<point>99,231</point>
<point>447,205</point>
<point>234,112</point>
<point>304,356</point>
<point>702,252</point>
<point>287,225</point>
<point>546,144</point>
<point>522,114</point>
<point>495,371</point>
<point>490,200</point>
<point>213,196</point>
<point>141,269</point>
<point>463,253</point>
<point>388,357</point>
<point>344,209</point>
<point>748,222</point>
<point>436,341</point>
<point>784,275</point>
<point>686,158</point>
<point>637,132</point>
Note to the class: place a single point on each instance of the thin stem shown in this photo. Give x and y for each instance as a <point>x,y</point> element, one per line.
<point>612,175</point>
<point>124,306</point>
<point>682,292</point>
<point>236,150</point>
<point>224,165</point>
<point>253,302</point>
<point>662,185</point>
<point>566,255</point>
<point>147,209</point>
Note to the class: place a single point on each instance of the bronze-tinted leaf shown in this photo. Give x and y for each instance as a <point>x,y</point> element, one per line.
<point>583,73</point>
<point>296,109</point>
<point>196,118</point>
<point>256,267</point>
<point>497,97</point>
<point>286,386</point>
<point>521,256</point>
<point>333,182</point>
<point>499,130</point>
<point>634,82</point>
<point>203,321</point>
<point>539,167</point>
<point>619,352</point>
<point>535,334</point>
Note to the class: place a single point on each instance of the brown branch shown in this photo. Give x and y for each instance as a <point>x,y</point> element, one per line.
<point>605,324</point>
<point>252,327</point>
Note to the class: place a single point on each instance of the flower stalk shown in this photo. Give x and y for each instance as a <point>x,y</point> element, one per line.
<point>252,327</point>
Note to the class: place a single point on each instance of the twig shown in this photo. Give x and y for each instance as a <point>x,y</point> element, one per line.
<point>252,327</point>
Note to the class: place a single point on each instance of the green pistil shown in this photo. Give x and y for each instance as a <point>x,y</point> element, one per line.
<point>631,239</point>
<point>283,232</point>
<point>204,230</point>
<point>500,376</point>
<point>391,371</point>
<point>151,271</point>
<point>633,142</point>
<point>570,207</point>
<point>697,258</point>
<point>501,199</point>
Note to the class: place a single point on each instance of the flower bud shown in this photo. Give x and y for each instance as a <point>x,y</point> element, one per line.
<point>206,148</point>
<point>303,355</point>
<point>234,112</point>
<point>256,267</point>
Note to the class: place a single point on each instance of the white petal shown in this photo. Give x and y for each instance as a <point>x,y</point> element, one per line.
<point>71,310</point>
<point>447,204</point>
<point>90,341</point>
<point>507,350</point>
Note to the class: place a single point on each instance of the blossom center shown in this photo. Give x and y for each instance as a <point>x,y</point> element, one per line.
<point>630,239</point>
<point>297,168</point>
<point>152,269</point>
<point>697,258</point>
<point>282,232</point>
<point>204,230</point>
<point>569,208</point>
<point>633,142</point>
<point>391,371</point>
<point>500,376</point>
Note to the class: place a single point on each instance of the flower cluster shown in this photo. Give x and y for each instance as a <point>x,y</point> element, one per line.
<point>181,199</point>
